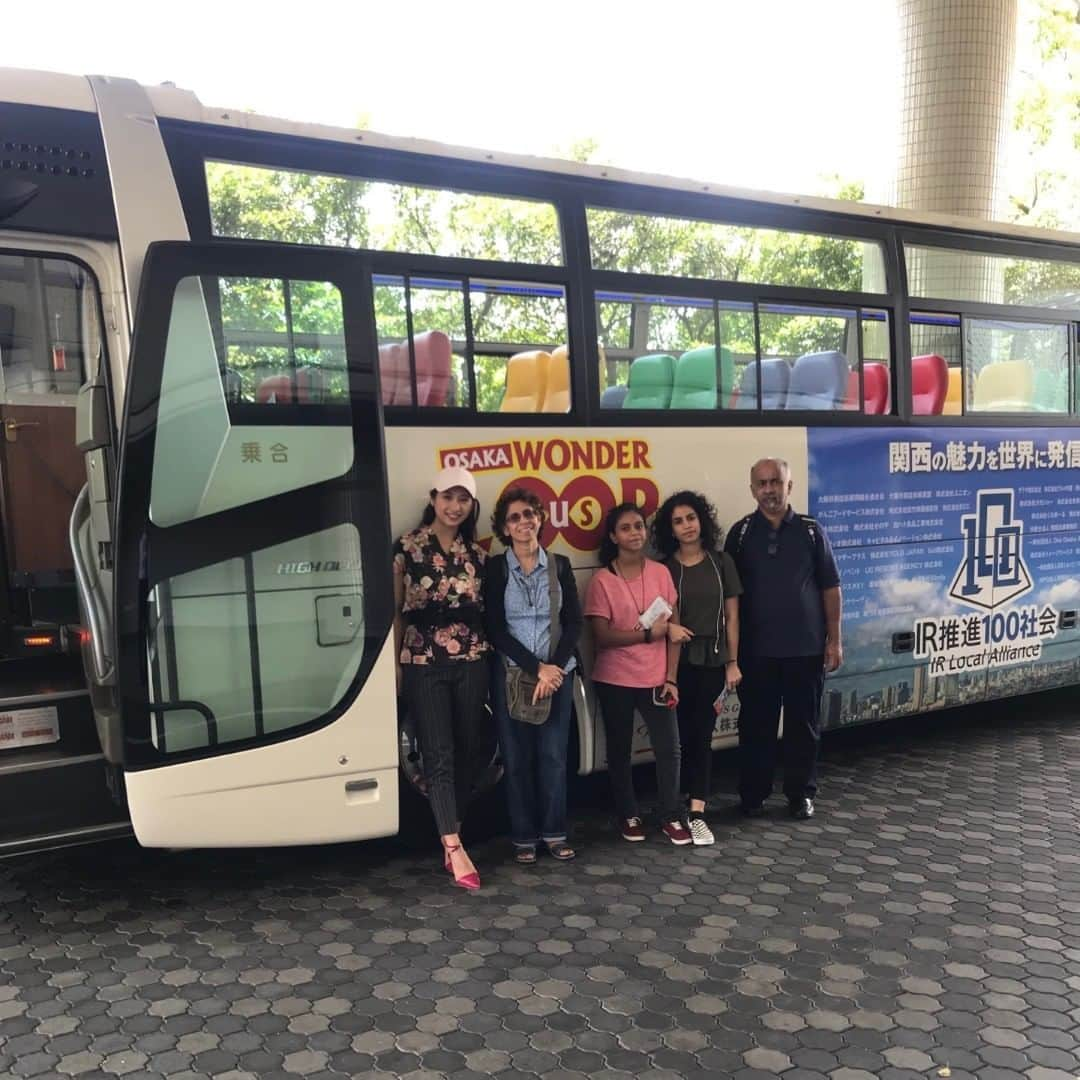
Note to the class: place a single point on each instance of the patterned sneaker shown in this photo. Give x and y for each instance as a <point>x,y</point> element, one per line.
<point>633,830</point>
<point>700,833</point>
<point>676,832</point>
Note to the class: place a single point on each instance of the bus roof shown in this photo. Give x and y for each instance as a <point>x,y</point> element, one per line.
<point>56,90</point>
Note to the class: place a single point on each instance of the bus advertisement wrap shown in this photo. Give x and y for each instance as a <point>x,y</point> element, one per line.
<point>961,540</point>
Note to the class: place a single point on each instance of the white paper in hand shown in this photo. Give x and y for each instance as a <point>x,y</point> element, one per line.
<point>658,609</point>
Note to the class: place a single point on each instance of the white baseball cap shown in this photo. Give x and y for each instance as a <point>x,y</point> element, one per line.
<point>455,476</point>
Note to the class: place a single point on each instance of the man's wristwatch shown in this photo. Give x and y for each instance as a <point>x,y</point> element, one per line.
<point>648,634</point>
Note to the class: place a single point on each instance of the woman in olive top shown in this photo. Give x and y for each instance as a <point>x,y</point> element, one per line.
<point>686,535</point>
<point>442,652</point>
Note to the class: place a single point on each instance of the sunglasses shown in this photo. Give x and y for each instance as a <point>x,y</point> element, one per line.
<point>527,514</point>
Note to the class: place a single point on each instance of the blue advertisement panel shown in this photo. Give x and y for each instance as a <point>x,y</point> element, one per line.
<point>964,539</point>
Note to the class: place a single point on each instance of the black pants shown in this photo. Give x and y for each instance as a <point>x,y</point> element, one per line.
<point>617,705</point>
<point>698,689</point>
<point>796,683</point>
<point>446,702</point>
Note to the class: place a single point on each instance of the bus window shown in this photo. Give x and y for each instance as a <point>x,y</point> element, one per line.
<point>242,417</point>
<point>504,341</point>
<point>955,274</point>
<point>256,203</point>
<point>281,341</point>
<point>1017,367</point>
<point>937,375</point>
<point>657,244</point>
<point>876,366</point>
<point>820,347</point>
<point>671,352</point>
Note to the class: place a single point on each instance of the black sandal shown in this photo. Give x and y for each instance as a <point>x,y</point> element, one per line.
<point>561,850</point>
<point>525,856</point>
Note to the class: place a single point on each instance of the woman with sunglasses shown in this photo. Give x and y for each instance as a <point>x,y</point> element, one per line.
<point>518,598</point>
<point>635,667</point>
<point>707,584</point>
<point>441,650</point>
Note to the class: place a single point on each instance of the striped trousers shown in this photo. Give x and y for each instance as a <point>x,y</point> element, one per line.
<point>446,702</point>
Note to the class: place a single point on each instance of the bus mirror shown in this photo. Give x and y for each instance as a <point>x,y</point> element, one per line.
<point>92,416</point>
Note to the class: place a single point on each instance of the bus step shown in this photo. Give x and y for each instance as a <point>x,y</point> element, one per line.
<point>50,795</point>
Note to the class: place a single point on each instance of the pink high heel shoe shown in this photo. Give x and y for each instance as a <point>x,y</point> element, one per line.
<point>469,881</point>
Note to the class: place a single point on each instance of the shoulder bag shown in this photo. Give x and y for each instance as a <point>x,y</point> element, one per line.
<point>520,685</point>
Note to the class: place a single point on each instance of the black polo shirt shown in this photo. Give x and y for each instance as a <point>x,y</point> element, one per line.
<point>783,573</point>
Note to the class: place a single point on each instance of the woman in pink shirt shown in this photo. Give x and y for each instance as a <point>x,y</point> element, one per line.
<point>635,667</point>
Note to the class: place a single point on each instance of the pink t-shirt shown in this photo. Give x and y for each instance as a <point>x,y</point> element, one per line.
<point>621,602</point>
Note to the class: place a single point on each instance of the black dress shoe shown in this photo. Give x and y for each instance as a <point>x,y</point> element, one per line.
<point>801,809</point>
<point>752,811</point>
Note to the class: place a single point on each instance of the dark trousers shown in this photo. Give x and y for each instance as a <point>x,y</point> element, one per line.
<point>699,687</point>
<point>617,705</point>
<point>795,683</point>
<point>446,702</point>
<point>534,756</point>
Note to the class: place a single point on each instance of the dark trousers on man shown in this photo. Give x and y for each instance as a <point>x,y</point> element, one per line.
<point>446,702</point>
<point>794,683</point>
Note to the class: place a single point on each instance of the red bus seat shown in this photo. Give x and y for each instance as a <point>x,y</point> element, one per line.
<point>929,384</point>
<point>432,349</point>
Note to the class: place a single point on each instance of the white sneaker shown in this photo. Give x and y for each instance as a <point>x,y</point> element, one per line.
<point>700,833</point>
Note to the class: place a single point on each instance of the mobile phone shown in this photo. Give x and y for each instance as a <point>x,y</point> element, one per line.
<point>662,698</point>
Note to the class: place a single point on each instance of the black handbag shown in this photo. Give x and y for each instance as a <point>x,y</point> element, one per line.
<point>520,685</point>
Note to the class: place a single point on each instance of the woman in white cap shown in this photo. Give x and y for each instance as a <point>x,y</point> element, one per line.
<point>442,649</point>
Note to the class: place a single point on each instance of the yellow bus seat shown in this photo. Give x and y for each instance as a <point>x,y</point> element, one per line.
<point>1005,386</point>
<point>557,392</point>
<point>526,381</point>
<point>954,394</point>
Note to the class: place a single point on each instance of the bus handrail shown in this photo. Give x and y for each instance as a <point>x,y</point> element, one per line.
<point>103,668</point>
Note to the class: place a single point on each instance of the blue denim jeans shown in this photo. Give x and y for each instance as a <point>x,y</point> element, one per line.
<point>534,757</point>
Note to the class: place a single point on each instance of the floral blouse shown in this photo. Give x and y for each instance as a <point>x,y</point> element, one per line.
<point>443,608</point>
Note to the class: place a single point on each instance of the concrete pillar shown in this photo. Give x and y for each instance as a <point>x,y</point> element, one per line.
<point>958,57</point>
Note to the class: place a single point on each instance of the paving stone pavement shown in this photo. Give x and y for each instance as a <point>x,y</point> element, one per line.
<point>929,917</point>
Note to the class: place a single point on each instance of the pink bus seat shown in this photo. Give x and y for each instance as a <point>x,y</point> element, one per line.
<point>394,374</point>
<point>929,384</point>
<point>432,349</point>
<point>281,389</point>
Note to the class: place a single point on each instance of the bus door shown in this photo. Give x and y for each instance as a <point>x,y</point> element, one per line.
<point>253,600</point>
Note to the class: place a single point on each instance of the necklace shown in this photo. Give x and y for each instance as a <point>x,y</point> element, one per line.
<point>633,599</point>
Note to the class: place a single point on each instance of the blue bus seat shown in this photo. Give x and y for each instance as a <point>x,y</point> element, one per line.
<point>613,397</point>
<point>775,377</point>
<point>818,381</point>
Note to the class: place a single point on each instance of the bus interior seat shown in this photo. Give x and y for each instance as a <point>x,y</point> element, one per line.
<point>875,389</point>
<point>954,395</point>
<point>651,379</point>
<point>526,381</point>
<point>613,397</point>
<point>1050,395</point>
<point>1004,386</point>
<point>394,374</point>
<point>775,378</point>
<point>929,384</point>
<point>303,386</point>
<point>557,391</point>
<point>818,381</point>
<point>695,384</point>
<point>432,349</point>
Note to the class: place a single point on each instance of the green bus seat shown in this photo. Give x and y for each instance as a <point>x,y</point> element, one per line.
<point>695,385</point>
<point>651,378</point>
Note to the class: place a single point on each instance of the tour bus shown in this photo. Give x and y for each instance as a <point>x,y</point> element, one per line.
<point>234,351</point>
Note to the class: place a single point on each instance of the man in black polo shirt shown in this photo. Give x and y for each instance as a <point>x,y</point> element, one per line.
<point>790,636</point>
